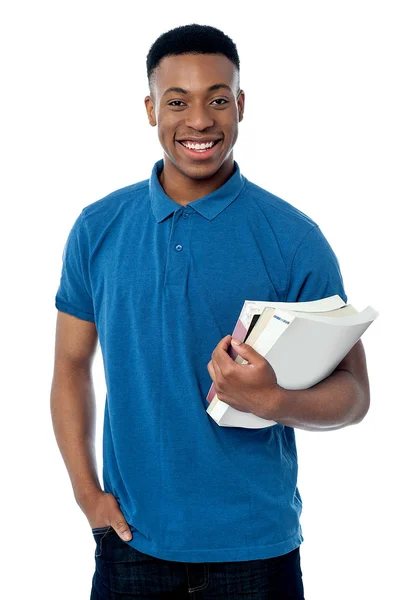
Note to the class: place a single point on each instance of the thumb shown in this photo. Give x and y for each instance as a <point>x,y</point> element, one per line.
<point>246,351</point>
<point>121,527</point>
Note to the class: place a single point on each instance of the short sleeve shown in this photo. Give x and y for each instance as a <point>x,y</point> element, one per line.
<point>74,292</point>
<point>315,271</point>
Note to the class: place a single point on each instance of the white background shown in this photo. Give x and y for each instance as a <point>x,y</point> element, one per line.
<point>320,130</point>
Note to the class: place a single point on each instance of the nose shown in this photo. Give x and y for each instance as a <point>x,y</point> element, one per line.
<point>197,117</point>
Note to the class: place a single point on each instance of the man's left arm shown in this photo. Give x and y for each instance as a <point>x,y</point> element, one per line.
<point>341,399</point>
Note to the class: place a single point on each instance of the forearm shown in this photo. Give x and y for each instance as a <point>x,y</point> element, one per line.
<point>335,402</point>
<point>73,412</point>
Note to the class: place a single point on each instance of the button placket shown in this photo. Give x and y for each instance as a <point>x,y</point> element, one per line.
<point>177,263</point>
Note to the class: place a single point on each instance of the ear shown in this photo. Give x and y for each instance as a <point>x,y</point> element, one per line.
<point>241,103</point>
<point>150,108</point>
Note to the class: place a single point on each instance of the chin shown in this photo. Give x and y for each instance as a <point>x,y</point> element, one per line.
<point>198,171</point>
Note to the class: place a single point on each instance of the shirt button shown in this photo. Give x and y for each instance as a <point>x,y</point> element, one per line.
<point>185,216</point>
<point>179,247</point>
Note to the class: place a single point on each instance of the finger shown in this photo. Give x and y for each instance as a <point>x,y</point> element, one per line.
<point>248,353</point>
<point>216,376</point>
<point>211,371</point>
<point>220,355</point>
<point>121,527</point>
<point>224,343</point>
<point>217,370</point>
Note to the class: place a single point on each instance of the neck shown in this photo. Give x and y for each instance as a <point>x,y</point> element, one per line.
<point>183,189</point>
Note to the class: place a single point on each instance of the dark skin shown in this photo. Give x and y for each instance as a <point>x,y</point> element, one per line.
<point>73,410</point>
<point>339,400</point>
<point>197,113</point>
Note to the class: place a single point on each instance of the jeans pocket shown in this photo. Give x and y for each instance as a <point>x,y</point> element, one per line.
<point>99,534</point>
<point>100,529</point>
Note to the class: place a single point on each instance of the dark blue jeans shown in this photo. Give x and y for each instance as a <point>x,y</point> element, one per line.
<point>124,573</point>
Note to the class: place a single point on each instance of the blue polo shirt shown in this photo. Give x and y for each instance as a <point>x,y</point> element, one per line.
<point>164,283</point>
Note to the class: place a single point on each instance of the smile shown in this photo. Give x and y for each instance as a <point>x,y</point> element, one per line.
<point>194,148</point>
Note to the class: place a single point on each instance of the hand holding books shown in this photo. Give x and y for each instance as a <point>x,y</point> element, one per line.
<point>249,387</point>
<point>303,342</point>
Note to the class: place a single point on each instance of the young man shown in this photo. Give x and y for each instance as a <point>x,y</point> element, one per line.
<point>158,273</point>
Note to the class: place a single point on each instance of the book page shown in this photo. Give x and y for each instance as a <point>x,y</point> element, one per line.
<point>346,310</point>
<point>321,305</point>
<point>260,325</point>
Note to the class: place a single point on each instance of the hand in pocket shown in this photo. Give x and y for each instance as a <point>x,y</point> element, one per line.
<point>102,510</point>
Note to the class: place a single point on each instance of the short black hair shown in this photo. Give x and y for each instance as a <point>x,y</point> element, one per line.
<point>191,39</point>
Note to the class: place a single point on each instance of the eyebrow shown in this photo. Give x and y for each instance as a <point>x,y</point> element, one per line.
<point>212,88</point>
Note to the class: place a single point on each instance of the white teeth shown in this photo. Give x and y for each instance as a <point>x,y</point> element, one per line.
<point>197,146</point>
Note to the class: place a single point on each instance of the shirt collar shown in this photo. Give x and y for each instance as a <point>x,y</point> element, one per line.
<point>209,206</point>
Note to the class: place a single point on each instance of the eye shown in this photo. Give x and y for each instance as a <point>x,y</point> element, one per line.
<point>220,100</point>
<point>173,103</point>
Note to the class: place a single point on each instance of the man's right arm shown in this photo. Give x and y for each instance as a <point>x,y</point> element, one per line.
<point>73,411</point>
<point>73,407</point>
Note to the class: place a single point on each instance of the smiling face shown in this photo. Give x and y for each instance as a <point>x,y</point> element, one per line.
<point>196,103</point>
